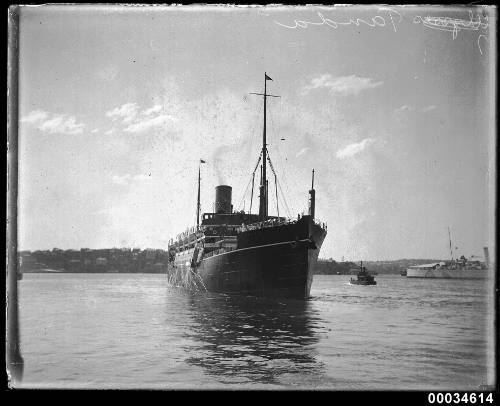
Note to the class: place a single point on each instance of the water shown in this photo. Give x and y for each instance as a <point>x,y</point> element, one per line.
<point>133,331</point>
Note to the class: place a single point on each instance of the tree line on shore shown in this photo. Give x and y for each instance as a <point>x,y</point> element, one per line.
<point>135,260</point>
<point>119,260</point>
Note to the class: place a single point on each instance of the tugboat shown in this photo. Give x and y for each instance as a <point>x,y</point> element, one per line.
<point>364,278</point>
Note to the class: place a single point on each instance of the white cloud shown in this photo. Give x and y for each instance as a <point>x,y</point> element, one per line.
<point>128,178</point>
<point>121,180</point>
<point>54,123</point>
<point>343,85</point>
<point>111,131</point>
<point>148,123</point>
<point>154,109</point>
<point>35,116</point>
<point>402,109</point>
<point>137,121</point>
<point>142,177</point>
<point>428,108</point>
<point>353,149</point>
<point>126,112</point>
<point>95,131</point>
<point>302,152</point>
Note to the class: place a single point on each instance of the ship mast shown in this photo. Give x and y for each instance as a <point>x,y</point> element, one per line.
<point>198,204</point>
<point>263,200</point>
<point>451,250</point>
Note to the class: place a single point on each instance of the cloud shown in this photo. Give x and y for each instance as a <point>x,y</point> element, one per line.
<point>95,131</point>
<point>126,112</point>
<point>428,108</point>
<point>54,123</point>
<point>154,109</point>
<point>302,152</point>
<point>35,116</point>
<point>403,109</point>
<point>353,149</point>
<point>148,123</point>
<point>121,180</point>
<point>343,85</point>
<point>128,178</point>
<point>137,121</point>
<point>111,131</point>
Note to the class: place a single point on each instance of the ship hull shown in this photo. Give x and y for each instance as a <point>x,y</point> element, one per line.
<point>277,267</point>
<point>364,283</point>
<point>446,273</point>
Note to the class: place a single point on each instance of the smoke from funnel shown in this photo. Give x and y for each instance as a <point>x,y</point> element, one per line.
<point>220,160</point>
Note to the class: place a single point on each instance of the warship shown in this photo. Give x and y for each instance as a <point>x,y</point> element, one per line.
<point>245,253</point>
<point>461,268</point>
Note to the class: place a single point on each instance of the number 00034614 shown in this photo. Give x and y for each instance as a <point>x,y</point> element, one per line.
<point>449,398</point>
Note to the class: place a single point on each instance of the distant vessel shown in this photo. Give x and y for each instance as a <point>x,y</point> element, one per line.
<point>460,269</point>
<point>463,268</point>
<point>254,254</point>
<point>364,278</point>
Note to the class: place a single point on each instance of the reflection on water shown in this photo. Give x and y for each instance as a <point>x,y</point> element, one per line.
<point>254,339</point>
<point>133,331</point>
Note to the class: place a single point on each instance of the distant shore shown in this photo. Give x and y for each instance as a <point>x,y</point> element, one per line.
<point>135,260</point>
<point>85,260</point>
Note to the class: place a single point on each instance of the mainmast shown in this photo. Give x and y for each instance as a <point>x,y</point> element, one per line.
<point>263,199</point>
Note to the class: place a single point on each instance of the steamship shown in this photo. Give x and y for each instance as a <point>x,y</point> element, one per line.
<point>245,253</point>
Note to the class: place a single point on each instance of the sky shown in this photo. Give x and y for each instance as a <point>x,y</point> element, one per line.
<point>394,108</point>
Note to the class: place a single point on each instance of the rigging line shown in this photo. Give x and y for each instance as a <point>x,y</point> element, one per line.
<point>256,124</point>
<point>276,187</point>
<point>284,199</point>
<point>252,138</point>
<point>285,184</point>
<point>275,180</point>
<point>279,184</point>
<point>242,200</point>
<point>251,197</point>
<point>253,175</point>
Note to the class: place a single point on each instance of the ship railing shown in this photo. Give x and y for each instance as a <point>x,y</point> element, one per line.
<point>264,224</point>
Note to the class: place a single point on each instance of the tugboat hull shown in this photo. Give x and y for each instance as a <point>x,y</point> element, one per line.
<point>355,282</point>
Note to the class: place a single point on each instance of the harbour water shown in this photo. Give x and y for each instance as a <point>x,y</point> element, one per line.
<point>134,331</point>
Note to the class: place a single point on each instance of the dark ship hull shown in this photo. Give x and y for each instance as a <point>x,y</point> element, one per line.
<point>272,262</point>
<point>364,282</point>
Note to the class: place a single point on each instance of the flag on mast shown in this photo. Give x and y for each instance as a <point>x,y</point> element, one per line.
<point>202,161</point>
<point>267,77</point>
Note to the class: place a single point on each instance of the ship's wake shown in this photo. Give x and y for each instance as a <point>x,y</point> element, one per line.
<point>185,279</point>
